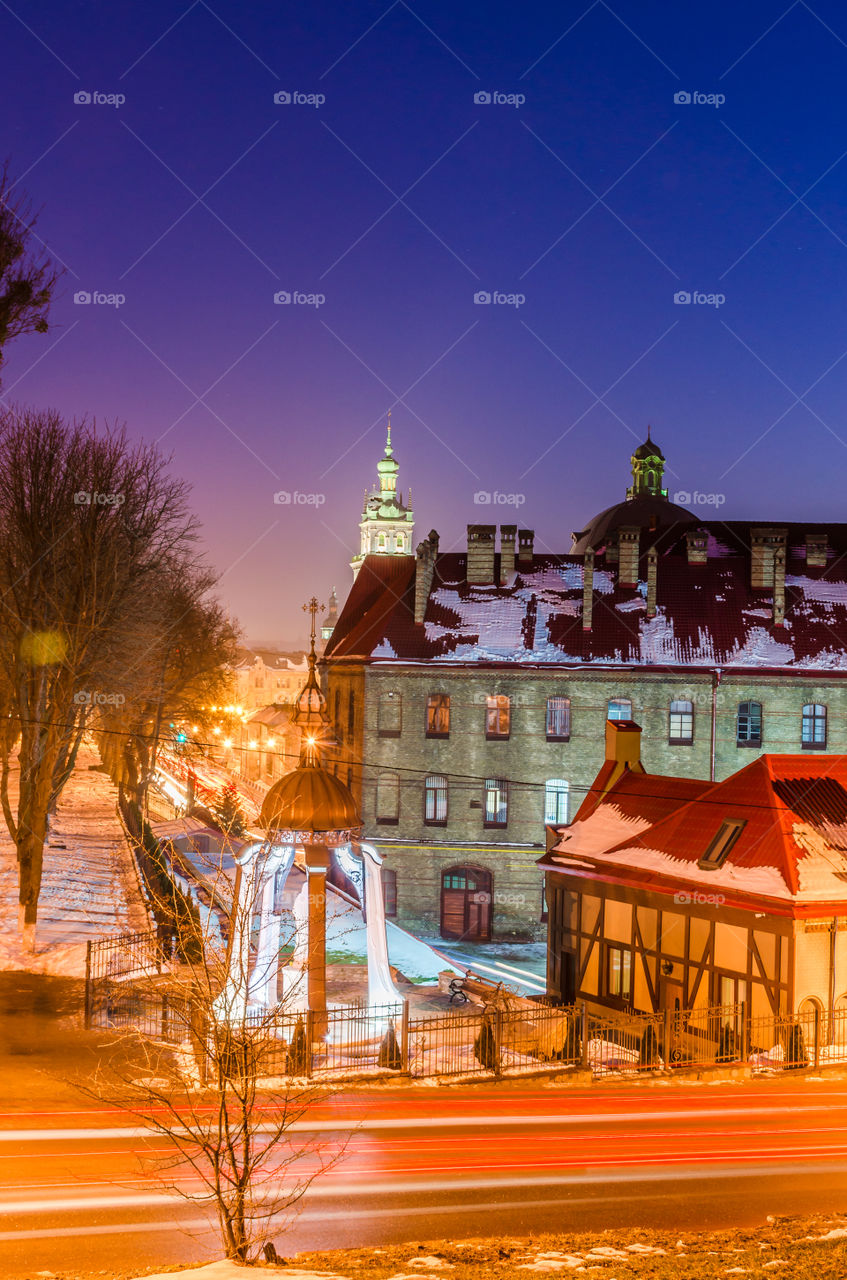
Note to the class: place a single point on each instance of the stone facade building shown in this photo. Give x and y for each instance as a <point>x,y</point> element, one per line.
<point>469,691</point>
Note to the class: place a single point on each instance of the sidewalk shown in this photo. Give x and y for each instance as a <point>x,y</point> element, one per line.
<point>89,886</point>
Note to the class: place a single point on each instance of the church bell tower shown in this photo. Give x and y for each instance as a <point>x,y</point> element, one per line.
<point>387,524</point>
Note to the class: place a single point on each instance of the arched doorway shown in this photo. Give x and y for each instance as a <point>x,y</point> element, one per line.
<point>466,904</point>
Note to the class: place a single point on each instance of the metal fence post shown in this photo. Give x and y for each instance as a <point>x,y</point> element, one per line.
<point>87,1016</point>
<point>817,1032</point>
<point>310,1033</point>
<point>404,1036</point>
<point>583,1036</point>
<point>498,1041</point>
<point>667,1033</point>
<point>745,1031</point>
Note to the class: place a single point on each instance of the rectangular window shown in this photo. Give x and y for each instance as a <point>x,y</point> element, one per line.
<point>681,723</point>
<point>619,972</point>
<point>558,719</point>
<point>749,724</point>
<point>619,709</point>
<point>813,733</point>
<point>496,802</point>
<point>556,801</point>
<point>497,716</point>
<point>388,798</point>
<point>438,715</point>
<point>351,713</point>
<point>721,845</point>
<point>390,714</point>
<point>389,892</point>
<point>435,800</point>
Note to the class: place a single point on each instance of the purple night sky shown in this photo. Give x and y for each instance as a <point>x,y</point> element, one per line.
<point>398,199</point>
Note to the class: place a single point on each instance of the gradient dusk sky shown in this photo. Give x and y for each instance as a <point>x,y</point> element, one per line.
<point>399,198</point>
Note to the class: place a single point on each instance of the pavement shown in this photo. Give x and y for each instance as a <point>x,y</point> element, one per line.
<point>79,1193</point>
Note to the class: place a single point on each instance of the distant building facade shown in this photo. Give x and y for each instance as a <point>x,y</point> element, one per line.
<point>264,676</point>
<point>470,691</point>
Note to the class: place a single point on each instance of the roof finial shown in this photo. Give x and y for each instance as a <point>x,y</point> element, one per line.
<point>648,432</point>
<point>310,708</point>
<point>388,441</point>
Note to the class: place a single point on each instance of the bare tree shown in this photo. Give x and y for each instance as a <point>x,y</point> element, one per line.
<point>170,667</point>
<point>27,275</point>
<point>221,1084</point>
<point>87,523</point>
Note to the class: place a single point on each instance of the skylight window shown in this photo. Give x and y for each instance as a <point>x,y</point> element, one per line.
<point>722,844</point>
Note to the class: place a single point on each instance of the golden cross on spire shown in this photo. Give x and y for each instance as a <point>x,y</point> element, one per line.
<point>314,609</point>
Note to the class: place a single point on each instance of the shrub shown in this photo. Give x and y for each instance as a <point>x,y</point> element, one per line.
<point>485,1045</point>
<point>297,1057</point>
<point>389,1051</point>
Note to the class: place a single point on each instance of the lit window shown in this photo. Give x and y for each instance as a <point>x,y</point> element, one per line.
<point>435,800</point>
<point>497,715</point>
<point>749,724</point>
<point>558,719</point>
<point>619,972</point>
<point>381,543</point>
<point>813,734</point>
<point>722,844</point>
<point>388,798</point>
<point>438,715</point>
<point>390,714</point>
<point>496,802</point>
<point>399,542</point>
<point>556,801</point>
<point>681,722</point>
<point>619,709</point>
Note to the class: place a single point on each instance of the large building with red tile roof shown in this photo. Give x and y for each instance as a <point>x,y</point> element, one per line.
<point>676,893</point>
<point>470,688</point>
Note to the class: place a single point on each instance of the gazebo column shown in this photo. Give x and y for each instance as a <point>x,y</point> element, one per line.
<point>317,864</point>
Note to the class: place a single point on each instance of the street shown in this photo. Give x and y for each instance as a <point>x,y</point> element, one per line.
<point>446,1162</point>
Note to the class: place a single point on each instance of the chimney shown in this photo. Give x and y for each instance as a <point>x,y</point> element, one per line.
<point>612,549</point>
<point>526,539</point>
<point>763,543</point>
<point>817,545</point>
<point>508,533</point>
<point>481,554</point>
<point>779,587</point>
<point>629,543</point>
<point>588,590</point>
<point>623,745</point>
<point>424,570</point>
<point>696,545</point>
<point>652,561</point>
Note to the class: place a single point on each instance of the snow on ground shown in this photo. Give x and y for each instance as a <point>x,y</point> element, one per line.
<point>89,886</point>
<point>232,1271</point>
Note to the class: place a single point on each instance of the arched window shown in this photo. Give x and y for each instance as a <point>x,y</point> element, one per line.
<point>749,724</point>
<point>381,542</point>
<point>438,715</point>
<point>813,731</point>
<point>619,709</point>
<point>498,715</point>
<point>558,719</point>
<point>466,904</point>
<point>681,722</point>
<point>388,798</point>
<point>496,802</point>
<point>390,714</point>
<point>435,800</point>
<point>556,801</point>
<point>400,543</point>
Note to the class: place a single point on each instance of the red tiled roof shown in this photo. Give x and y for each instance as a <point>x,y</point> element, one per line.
<point>707,615</point>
